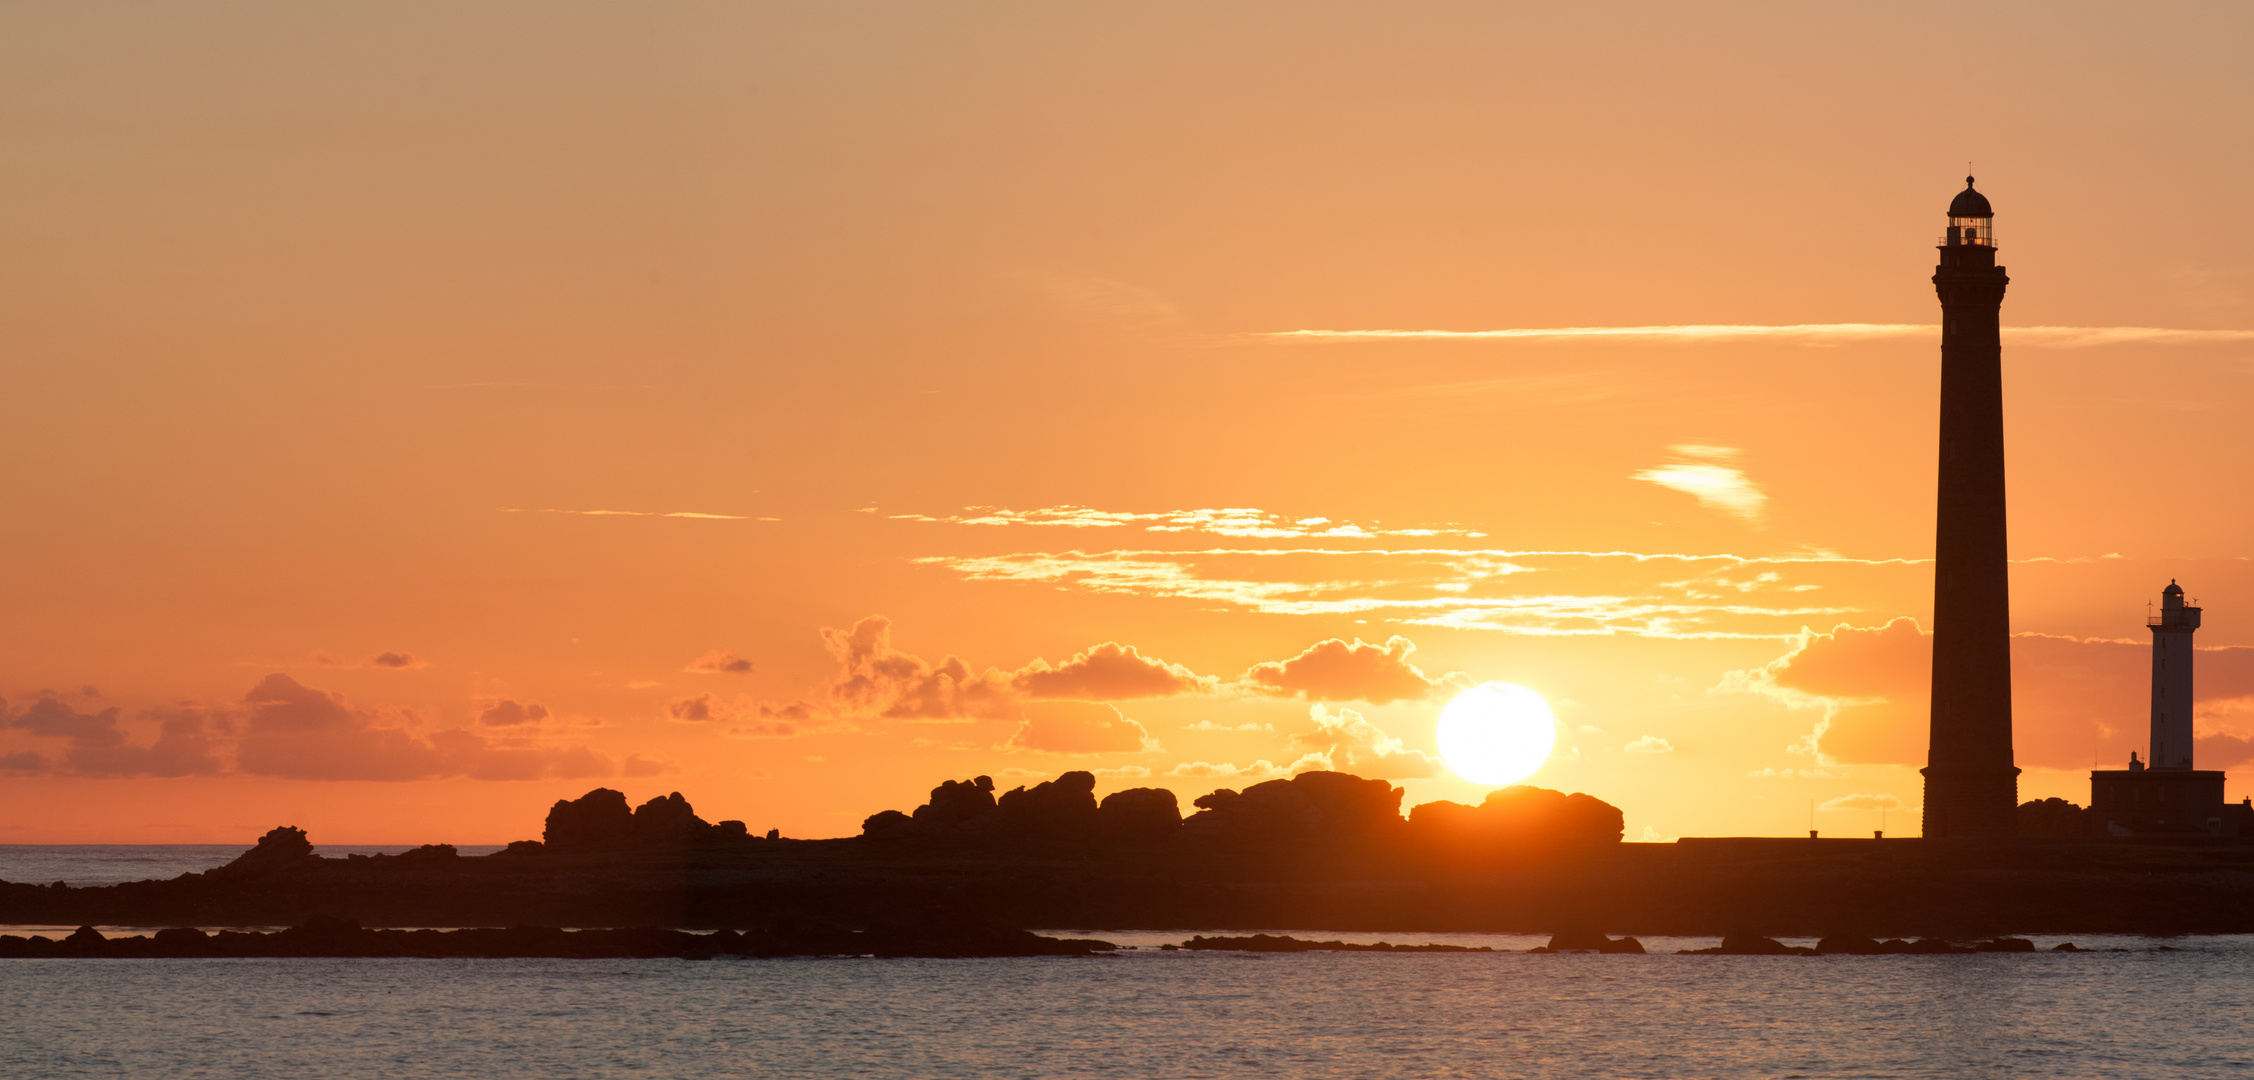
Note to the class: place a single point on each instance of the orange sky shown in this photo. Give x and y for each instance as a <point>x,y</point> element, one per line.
<point>329,329</point>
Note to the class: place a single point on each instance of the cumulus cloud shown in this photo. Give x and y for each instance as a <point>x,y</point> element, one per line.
<point>639,765</point>
<point>1347,742</point>
<point>719,662</point>
<point>1109,672</point>
<point>1124,772</point>
<point>1702,472</point>
<point>1650,744</point>
<point>100,745</point>
<point>396,660</point>
<point>1340,670</point>
<point>509,712</point>
<point>1080,728</point>
<point>296,732</point>
<point>874,679</point>
<point>1206,770</point>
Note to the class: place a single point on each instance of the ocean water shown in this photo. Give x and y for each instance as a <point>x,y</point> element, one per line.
<point>1146,1013</point>
<point>108,864</point>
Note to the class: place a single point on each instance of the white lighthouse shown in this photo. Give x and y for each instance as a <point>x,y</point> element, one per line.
<point>2165,795</point>
<point>2171,680</point>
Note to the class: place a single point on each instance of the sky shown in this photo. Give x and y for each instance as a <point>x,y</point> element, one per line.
<point>422,412</point>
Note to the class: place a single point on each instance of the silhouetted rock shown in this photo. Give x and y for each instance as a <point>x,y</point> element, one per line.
<point>1312,804</point>
<point>1519,818</point>
<point>281,849</point>
<point>1063,807</point>
<point>1751,945</point>
<point>1584,940</point>
<point>596,821</point>
<point>1140,814</point>
<point>2005,944</point>
<point>2052,817</point>
<point>524,847</point>
<point>2066,946</point>
<point>888,825</point>
<point>431,851</point>
<point>1850,944</point>
<point>955,803</point>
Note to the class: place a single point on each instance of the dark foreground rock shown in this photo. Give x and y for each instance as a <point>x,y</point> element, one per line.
<point>1281,943</point>
<point>343,938</point>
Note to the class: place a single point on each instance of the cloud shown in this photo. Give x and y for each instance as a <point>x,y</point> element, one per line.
<point>396,660</point>
<point>24,763</point>
<point>1244,521</point>
<point>1109,672</point>
<point>642,513</point>
<point>2054,336</point>
<point>1698,471</point>
<point>1863,802</point>
<point>2077,702</point>
<point>751,719</point>
<point>100,746</point>
<point>637,765</point>
<point>1547,593</point>
<point>1206,770</point>
<point>1080,728</point>
<point>1124,772</point>
<point>1650,744</point>
<point>296,732</point>
<point>719,662</point>
<point>508,712</point>
<point>1346,742</point>
<point>1208,725</point>
<point>1338,670</point>
<point>874,679</point>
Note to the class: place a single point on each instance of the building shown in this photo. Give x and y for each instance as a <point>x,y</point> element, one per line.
<point>2164,794</point>
<point>1971,784</point>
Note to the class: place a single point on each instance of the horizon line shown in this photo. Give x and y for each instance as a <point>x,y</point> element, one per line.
<point>2062,336</point>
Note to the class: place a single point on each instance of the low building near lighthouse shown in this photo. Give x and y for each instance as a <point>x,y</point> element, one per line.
<point>2163,794</point>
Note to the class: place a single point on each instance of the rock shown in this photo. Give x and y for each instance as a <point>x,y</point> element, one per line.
<point>596,821</point>
<point>1519,818</point>
<point>1286,943</point>
<point>1312,804</point>
<point>524,847</point>
<point>1577,940</point>
<point>2005,944</point>
<point>955,803</point>
<point>281,849</point>
<point>1752,945</point>
<point>888,825</point>
<point>1140,814</point>
<point>2066,946</point>
<point>1850,944</point>
<point>668,822</point>
<point>1063,807</point>
<point>1622,945</point>
<point>430,852</point>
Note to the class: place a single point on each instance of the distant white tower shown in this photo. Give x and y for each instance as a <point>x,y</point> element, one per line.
<point>2171,680</point>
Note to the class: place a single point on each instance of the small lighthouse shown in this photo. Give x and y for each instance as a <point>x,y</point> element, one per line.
<point>2171,680</point>
<point>2163,795</point>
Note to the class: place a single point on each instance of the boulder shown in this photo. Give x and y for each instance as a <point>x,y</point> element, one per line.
<point>1140,814</point>
<point>1063,807</point>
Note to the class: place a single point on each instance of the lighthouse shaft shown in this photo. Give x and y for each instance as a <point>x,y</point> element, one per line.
<point>2171,680</point>
<point>1971,784</point>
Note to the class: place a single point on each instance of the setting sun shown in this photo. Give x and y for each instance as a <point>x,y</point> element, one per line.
<point>1497,733</point>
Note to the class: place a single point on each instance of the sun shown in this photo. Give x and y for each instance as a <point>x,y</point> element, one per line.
<point>1497,733</point>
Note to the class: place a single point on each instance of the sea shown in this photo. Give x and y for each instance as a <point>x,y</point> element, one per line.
<point>2130,1007</point>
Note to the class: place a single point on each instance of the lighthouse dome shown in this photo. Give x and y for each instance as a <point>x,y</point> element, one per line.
<point>1970,203</point>
<point>2173,589</point>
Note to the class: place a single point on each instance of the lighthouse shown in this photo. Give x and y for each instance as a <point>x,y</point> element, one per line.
<point>1971,783</point>
<point>2171,680</point>
<point>2163,795</point>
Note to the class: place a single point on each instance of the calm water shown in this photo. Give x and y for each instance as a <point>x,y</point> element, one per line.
<point>1146,1014</point>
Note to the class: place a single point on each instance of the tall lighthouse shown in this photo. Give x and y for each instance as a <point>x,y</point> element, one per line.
<point>1971,785</point>
<point>2171,680</point>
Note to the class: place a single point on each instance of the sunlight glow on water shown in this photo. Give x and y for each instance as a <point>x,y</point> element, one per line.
<point>1146,1014</point>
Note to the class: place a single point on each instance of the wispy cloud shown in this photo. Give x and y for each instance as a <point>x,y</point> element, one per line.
<point>1243,521</point>
<point>1701,472</point>
<point>1572,593</point>
<point>640,513</point>
<point>2053,336</point>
